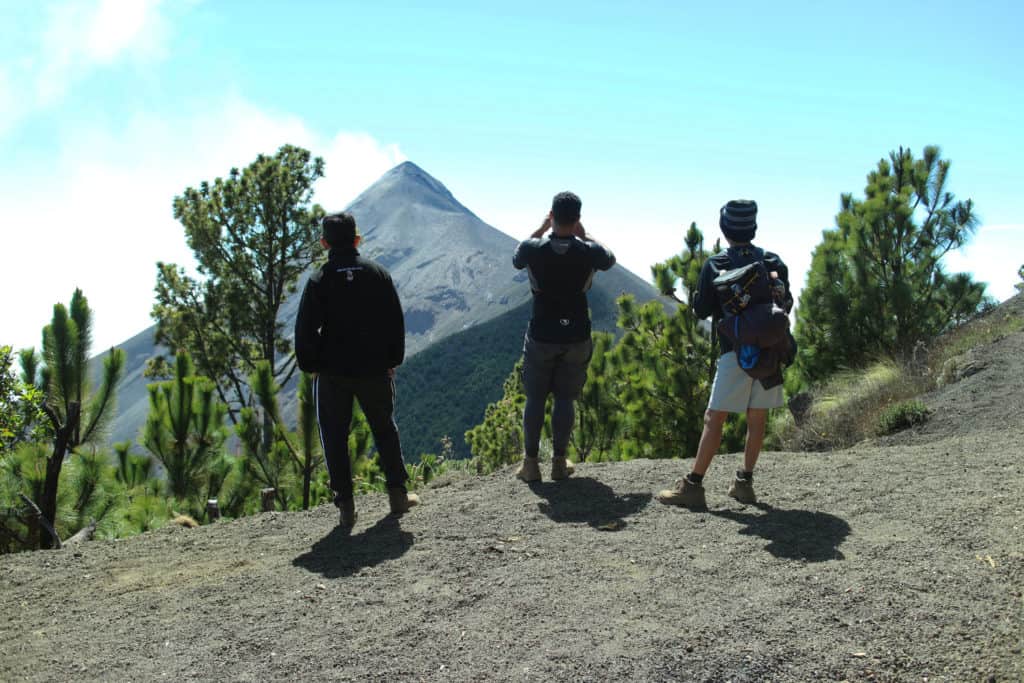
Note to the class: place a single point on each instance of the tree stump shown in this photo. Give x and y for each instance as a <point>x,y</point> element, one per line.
<point>800,406</point>
<point>267,499</point>
<point>212,510</point>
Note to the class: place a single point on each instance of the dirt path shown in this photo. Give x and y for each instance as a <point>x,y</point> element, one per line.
<point>897,560</point>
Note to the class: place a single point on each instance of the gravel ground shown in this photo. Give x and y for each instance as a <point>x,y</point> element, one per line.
<point>901,559</point>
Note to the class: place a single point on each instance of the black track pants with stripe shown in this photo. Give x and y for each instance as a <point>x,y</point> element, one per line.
<point>376,396</point>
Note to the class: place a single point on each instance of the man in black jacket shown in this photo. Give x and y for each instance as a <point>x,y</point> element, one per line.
<point>558,347</point>
<point>350,333</point>
<point>733,390</point>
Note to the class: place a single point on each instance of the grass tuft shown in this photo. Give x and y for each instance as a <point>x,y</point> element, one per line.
<point>846,409</point>
<point>902,415</point>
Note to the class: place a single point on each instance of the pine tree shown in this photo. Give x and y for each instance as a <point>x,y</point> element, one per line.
<point>185,432</point>
<point>876,285</point>
<point>665,361</point>
<point>291,462</point>
<point>21,416</point>
<point>309,436</point>
<point>22,472</point>
<point>598,411</point>
<point>253,234</point>
<point>272,464</point>
<point>498,440</point>
<point>132,471</point>
<point>89,495</point>
<point>77,416</point>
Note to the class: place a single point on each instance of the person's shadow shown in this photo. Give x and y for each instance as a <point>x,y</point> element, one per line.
<point>340,553</point>
<point>582,499</point>
<point>793,534</point>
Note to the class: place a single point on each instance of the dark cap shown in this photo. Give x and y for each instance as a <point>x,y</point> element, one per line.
<point>339,229</point>
<point>738,220</point>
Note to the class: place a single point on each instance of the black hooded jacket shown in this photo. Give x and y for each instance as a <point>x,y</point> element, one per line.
<point>350,320</point>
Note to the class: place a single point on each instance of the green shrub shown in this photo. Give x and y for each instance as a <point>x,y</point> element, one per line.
<point>902,415</point>
<point>845,410</point>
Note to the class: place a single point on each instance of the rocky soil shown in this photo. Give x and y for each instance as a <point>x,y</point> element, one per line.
<point>897,560</point>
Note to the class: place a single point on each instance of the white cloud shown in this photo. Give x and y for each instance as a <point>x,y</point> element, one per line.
<point>353,161</point>
<point>993,257</point>
<point>124,26</point>
<point>99,215</point>
<point>79,37</point>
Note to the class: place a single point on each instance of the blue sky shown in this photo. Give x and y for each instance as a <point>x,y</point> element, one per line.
<point>655,113</point>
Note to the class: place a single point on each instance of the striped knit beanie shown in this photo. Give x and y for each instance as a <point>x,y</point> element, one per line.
<point>738,220</point>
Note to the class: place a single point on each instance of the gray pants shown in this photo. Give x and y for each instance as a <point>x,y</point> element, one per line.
<point>558,369</point>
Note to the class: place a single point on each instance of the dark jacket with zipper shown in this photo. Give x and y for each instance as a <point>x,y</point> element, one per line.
<point>350,320</point>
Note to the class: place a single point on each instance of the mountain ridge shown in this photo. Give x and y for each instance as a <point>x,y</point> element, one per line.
<point>452,272</point>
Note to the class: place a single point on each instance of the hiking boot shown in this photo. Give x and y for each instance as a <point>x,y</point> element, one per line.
<point>561,468</point>
<point>529,470</point>
<point>348,513</point>
<point>401,500</point>
<point>743,490</point>
<point>684,493</point>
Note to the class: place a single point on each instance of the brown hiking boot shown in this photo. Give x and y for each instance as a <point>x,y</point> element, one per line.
<point>561,468</point>
<point>684,493</point>
<point>743,490</point>
<point>401,500</point>
<point>348,513</point>
<point>529,470</point>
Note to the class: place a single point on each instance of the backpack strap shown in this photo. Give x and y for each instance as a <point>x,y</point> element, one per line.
<point>758,251</point>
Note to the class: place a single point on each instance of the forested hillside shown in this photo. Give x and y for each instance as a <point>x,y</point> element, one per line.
<point>445,389</point>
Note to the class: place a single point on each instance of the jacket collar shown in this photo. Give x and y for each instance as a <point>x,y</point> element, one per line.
<point>342,254</point>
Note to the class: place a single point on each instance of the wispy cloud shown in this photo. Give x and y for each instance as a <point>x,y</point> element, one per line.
<point>74,39</point>
<point>98,209</point>
<point>100,213</point>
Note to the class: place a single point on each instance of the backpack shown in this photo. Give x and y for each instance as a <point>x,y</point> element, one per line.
<point>741,287</point>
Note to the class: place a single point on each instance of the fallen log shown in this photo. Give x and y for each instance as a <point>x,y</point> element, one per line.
<point>84,534</point>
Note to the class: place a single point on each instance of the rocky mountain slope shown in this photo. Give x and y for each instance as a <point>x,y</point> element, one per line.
<point>452,272</point>
<point>900,559</point>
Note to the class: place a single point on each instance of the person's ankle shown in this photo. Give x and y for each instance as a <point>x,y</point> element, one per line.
<point>695,478</point>
<point>745,475</point>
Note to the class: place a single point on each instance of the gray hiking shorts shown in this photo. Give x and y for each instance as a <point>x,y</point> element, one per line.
<point>559,369</point>
<point>734,391</point>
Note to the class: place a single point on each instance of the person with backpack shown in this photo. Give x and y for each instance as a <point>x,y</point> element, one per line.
<point>733,389</point>
<point>350,333</point>
<point>557,347</point>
